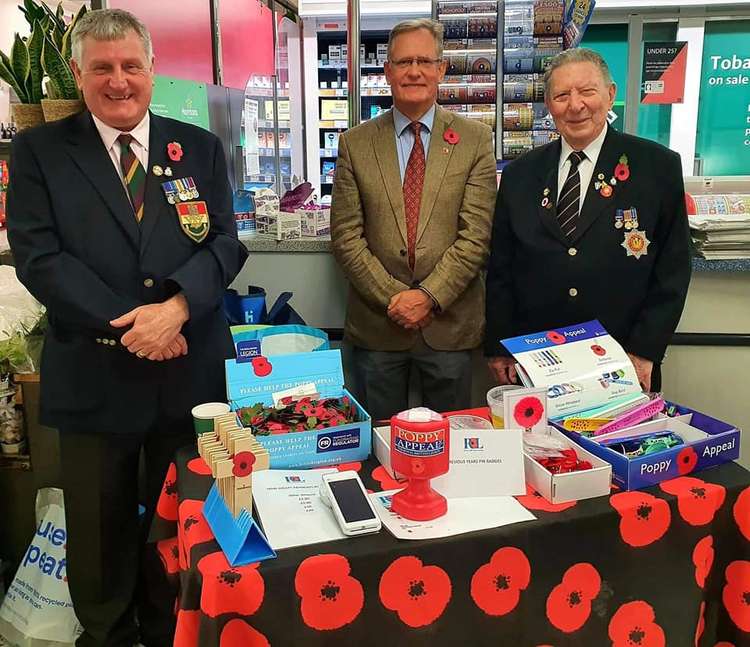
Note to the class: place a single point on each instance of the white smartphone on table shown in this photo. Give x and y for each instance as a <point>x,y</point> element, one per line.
<point>347,497</point>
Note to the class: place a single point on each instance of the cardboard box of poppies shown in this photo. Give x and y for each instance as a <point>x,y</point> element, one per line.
<point>298,409</point>
<point>676,442</point>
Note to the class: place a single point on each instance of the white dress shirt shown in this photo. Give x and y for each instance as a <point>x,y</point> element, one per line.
<point>139,145</point>
<point>585,168</point>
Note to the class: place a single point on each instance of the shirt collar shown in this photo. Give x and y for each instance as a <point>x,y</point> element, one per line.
<point>592,150</point>
<point>401,121</point>
<point>109,135</point>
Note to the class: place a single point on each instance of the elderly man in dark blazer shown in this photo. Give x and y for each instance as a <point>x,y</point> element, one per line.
<point>121,224</point>
<point>590,226</point>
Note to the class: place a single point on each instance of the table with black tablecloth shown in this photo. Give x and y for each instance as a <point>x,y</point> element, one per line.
<point>669,565</point>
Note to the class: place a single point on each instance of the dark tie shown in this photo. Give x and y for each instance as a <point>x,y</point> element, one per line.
<point>569,203</point>
<point>133,174</point>
<point>413,183</point>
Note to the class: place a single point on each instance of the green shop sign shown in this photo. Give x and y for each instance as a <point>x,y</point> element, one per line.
<point>723,138</point>
<point>182,100</point>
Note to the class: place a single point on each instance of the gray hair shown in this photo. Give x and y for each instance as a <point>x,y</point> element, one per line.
<point>432,26</point>
<point>577,55</point>
<point>108,24</point>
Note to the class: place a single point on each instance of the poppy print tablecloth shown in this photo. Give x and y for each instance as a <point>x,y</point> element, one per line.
<point>667,566</point>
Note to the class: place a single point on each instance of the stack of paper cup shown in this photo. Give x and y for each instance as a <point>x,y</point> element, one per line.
<point>495,402</point>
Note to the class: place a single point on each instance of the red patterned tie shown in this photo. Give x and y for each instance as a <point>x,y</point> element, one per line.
<point>133,174</point>
<point>413,183</point>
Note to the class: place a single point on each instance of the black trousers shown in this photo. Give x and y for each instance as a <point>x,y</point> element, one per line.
<point>111,571</point>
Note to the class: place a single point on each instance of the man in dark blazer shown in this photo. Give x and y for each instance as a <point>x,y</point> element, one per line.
<point>592,226</point>
<point>129,242</point>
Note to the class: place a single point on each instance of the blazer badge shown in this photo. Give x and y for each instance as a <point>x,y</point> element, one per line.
<point>193,218</point>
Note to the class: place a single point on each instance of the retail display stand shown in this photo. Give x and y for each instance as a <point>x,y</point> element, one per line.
<point>233,455</point>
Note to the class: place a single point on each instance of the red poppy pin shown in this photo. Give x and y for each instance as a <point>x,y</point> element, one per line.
<point>174,150</point>
<point>451,136</point>
<point>622,170</point>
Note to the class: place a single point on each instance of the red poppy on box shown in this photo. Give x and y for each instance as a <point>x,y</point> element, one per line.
<point>496,586</point>
<point>331,597</point>
<point>644,518</point>
<point>243,464</point>
<point>687,459</point>
<point>174,150</point>
<point>166,506</point>
<point>532,500</point>
<point>261,366</point>
<point>528,412</point>
<point>697,500</point>
<point>237,633</point>
<point>229,589</point>
<point>451,136</point>
<point>736,593</point>
<point>741,512</point>
<point>417,593</point>
<point>703,558</point>
<point>634,623</point>
<point>569,603</point>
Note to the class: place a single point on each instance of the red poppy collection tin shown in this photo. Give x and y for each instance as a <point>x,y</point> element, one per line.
<point>708,442</point>
<point>257,381</point>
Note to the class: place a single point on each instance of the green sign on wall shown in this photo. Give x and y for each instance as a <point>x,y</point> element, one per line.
<point>723,138</point>
<point>182,100</point>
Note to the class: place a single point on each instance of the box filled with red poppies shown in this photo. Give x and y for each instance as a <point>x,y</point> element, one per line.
<point>586,483</point>
<point>704,442</point>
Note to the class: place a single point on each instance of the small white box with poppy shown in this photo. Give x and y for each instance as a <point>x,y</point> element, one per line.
<point>706,441</point>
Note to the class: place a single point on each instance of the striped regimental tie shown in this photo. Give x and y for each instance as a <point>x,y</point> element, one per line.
<point>569,203</point>
<point>133,174</point>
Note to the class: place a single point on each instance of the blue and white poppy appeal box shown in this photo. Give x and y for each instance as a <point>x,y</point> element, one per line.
<point>247,386</point>
<point>707,442</point>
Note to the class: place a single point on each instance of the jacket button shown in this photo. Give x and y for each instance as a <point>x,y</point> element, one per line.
<point>98,340</point>
<point>572,251</point>
<point>149,283</point>
<point>112,342</point>
<point>573,292</point>
<point>402,252</point>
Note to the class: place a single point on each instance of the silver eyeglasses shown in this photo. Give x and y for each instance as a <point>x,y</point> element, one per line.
<point>422,63</point>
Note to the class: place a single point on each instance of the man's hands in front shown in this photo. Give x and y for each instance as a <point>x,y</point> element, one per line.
<point>503,369</point>
<point>411,309</point>
<point>643,368</point>
<point>155,329</point>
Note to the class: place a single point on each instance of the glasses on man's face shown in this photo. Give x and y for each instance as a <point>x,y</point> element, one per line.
<point>424,64</point>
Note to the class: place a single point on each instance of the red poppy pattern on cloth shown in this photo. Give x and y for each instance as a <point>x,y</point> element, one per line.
<point>169,553</point>
<point>192,529</point>
<point>736,593</point>
<point>703,558</point>
<point>643,517</point>
<point>496,586</point>
<point>229,589</point>
<point>634,625</point>
<point>701,626</point>
<point>331,597</point>
<point>528,412</point>
<point>532,500</point>
<point>687,459</point>
<point>697,500</point>
<point>417,593</point>
<point>387,482</point>
<point>199,466</point>
<point>188,629</point>
<point>569,603</point>
<point>237,633</point>
<point>741,512</point>
<point>344,467</point>
<point>166,506</point>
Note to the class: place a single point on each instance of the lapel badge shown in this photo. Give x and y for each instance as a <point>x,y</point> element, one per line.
<point>451,136</point>
<point>635,243</point>
<point>446,150</point>
<point>167,171</point>
<point>193,218</point>
<point>622,170</point>
<point>546,202</point>
<point>174,150</point>
<point>600,176</point>
<point>605,191</point>
<point>157,170</point>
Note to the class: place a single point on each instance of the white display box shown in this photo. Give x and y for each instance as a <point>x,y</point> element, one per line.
<point>381,445</point>
<point>573,486</point>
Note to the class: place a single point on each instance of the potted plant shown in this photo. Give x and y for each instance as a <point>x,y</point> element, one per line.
<point>63,97</point>
<point>22,70</point>
<point>13,352</point>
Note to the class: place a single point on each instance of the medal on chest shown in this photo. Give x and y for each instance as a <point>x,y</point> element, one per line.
<point>635,243</point>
